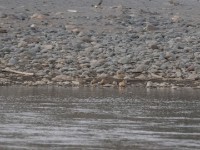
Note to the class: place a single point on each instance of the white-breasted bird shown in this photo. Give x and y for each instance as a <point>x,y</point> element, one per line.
<point>99,4</point>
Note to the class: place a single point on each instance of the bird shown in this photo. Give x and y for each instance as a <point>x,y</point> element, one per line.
<point>98,5</point>
<point>101,1</point>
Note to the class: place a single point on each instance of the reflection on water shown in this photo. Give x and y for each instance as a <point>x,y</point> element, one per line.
<point>86,118</point>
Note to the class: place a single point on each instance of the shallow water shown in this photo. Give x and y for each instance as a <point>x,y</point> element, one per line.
<point>87,118</point>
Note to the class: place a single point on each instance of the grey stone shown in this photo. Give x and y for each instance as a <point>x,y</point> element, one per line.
<point>22,44</point>
<point>51,60</point>
<point>63,69</point>
<point>161,57</point>
<point>62,78</point>
<point>77,44</point>
<point>141,68</point>
<point>154,46</point>
<point>100,70</point>
<point>12,61</point>
<point>150,27</point>
<point>164,66</point>
<point>178,73</point>
<point>124,60</point>
<point>120,50</point>
<point>3,15</point>
<point>150,84</point>
<point>193,77</point>
<point>197,69</point>
<point>97,63</point>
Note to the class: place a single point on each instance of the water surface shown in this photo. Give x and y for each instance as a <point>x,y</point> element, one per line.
<point>89,118</point>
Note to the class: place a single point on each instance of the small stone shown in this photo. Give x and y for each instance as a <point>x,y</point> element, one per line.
<point>39,83</point>
<point>149,84</point>
<point>22,44</point>
<point>29,83</point>
<point>76,30</point>
<point>66,83</point>
<point>76,83</point>
<point>59,13</point>
<point>124,60</point>
<point>168,55</point>
<point>102,82</point>
<point>73,29</point>
<point>97,63</point>
<point>191,68</point>
<point>140,68</point>
<point>3,30</point>
<point>197,87</point>
<point>47,47</point>
<point>176,18</point>
<point>103,75</point>
<point>72,10</point>
<point>86,39</point>
<point>77,44</point>
<point>3,15</point>
<point>154,46</point>
<point>127,77</point>
<point>163,84</point>
<point>12,61</point>
<point>174,87</point>
<point>20,16</point>
<point>123,83</point>
<point>37,16</point>
<point>150,27</point>
<point>197,69</point>
<point>114,83</point>
<point>193,77</point>
<point>155,76</point>
<point>141,77</point>
<point>62,78</point>
<point>120,50</point>
<point>107,85</point>
<point>33,27</point>
<point>31,40</point>
<point>120,75</point>
<point>4,81</point>
<point>178,73</point>
<point>2,75</point>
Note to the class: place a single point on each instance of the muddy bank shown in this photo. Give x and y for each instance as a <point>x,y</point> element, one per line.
<point>71,43</point>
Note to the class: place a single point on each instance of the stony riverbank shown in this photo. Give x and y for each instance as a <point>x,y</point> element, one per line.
<point>106,46</point>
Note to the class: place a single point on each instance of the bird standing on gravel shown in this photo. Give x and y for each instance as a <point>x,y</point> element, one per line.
<point>99,4</point>
<point>101,1</point>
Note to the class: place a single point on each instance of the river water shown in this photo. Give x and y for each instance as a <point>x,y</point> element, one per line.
<point>94,118</point>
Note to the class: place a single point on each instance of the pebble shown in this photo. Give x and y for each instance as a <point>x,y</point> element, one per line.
<point>37,16</point>
<point>12,61</point>
<point>124,60</point>
<point>150,27</point>
<point>141,77</point>
<point>140,68</point>
<point>60,78</point>
<point>75,83</point>
<point>47,47</point>
<point>3,15</point>
<point>3,30</point>
<point>176,18</point>
<point>123,83</point>
<point>150,84</point>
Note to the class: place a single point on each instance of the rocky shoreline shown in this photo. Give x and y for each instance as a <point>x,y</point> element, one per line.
<point>109,46</point>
